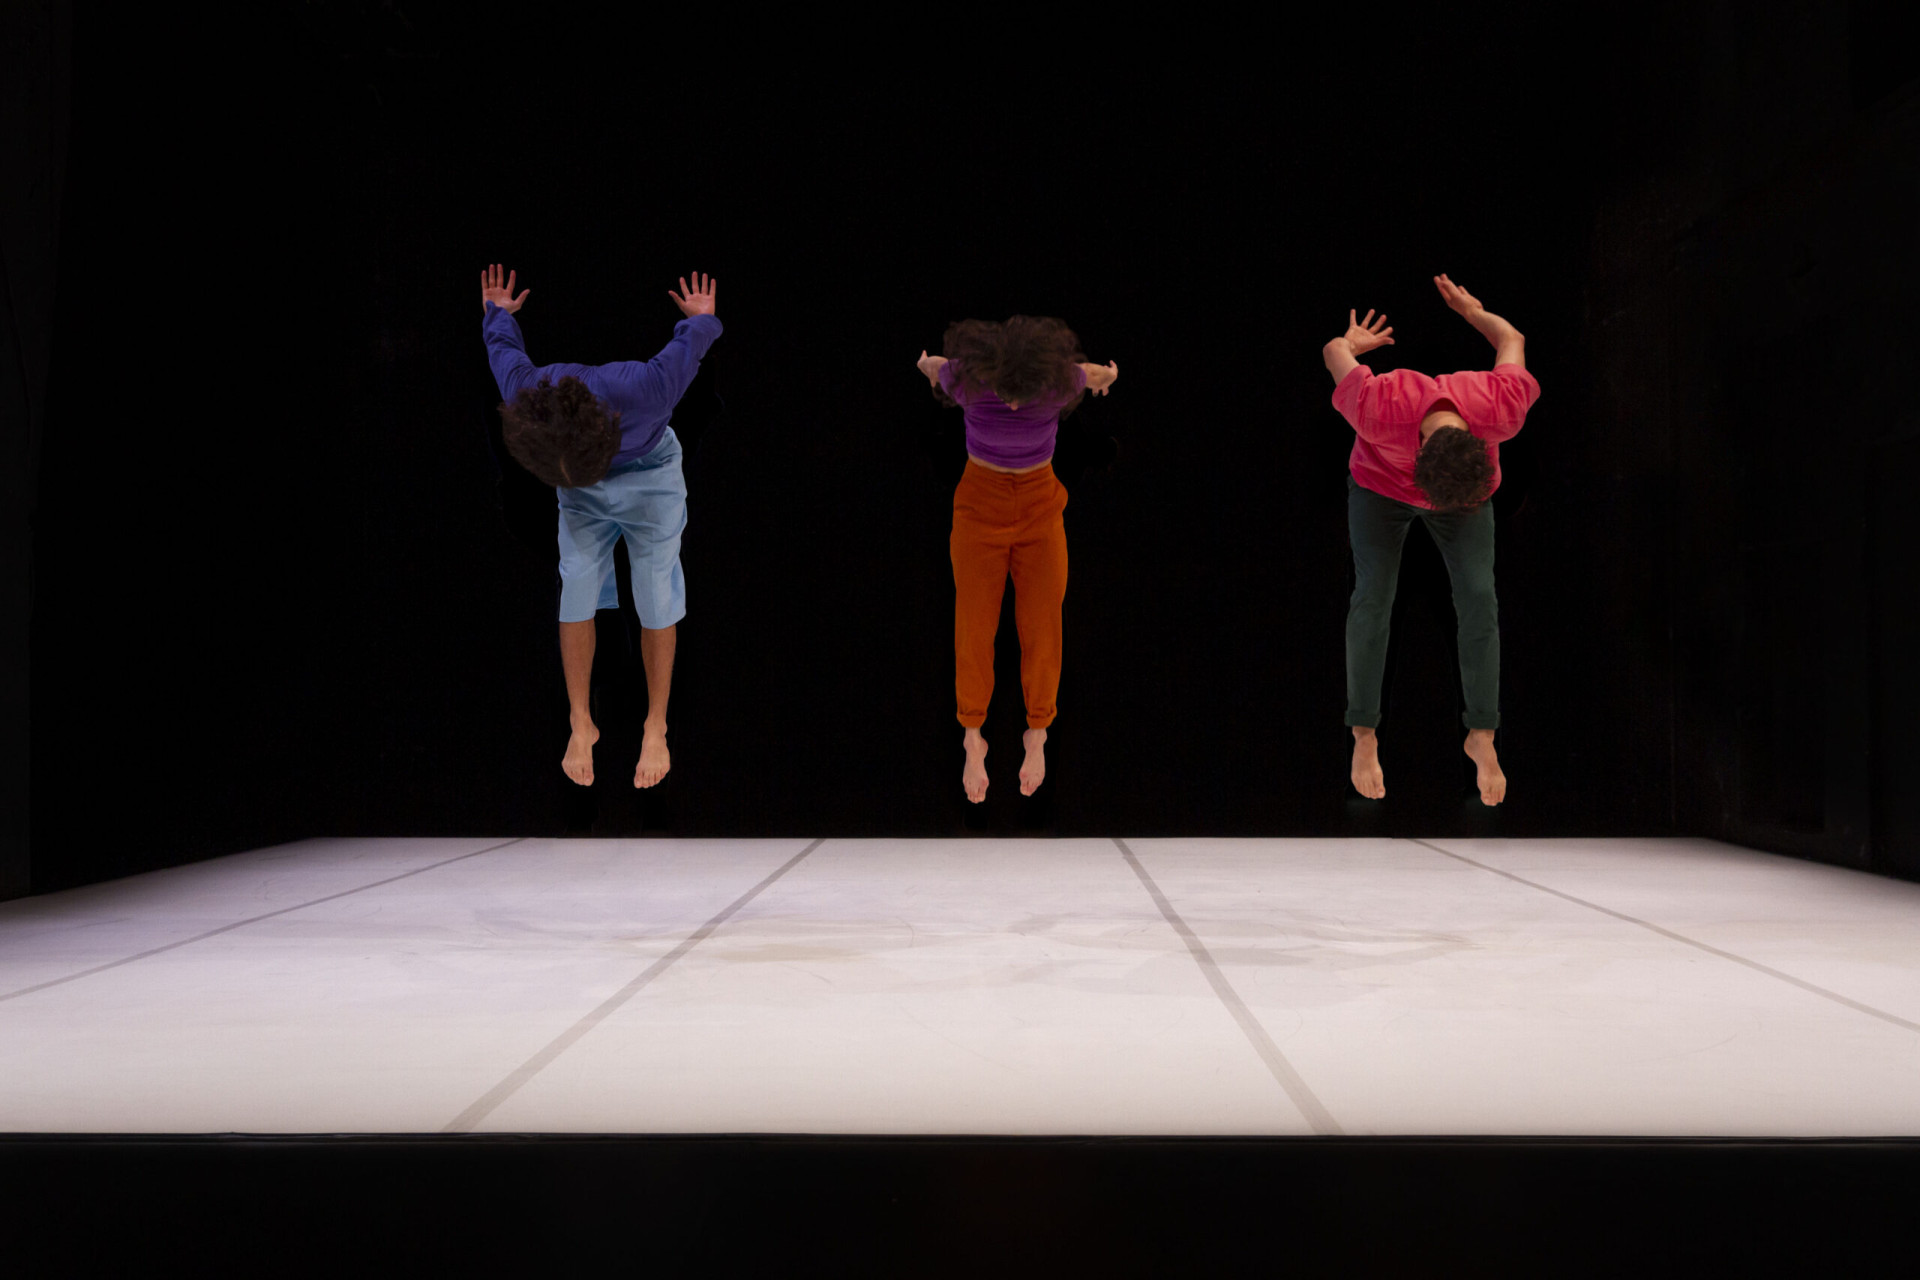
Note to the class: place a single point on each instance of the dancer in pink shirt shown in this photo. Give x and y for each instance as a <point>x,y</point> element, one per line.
<point>1427,449</point>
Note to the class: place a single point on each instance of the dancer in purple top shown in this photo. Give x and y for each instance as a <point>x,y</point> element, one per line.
<point>1014,380</point>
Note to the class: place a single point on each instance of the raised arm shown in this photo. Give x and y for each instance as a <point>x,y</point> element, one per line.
<point>506,350</point>
<point>660,382</point>
<point>1101,376</point>
<point>931,366</point>
<point>1509,344</point>
<point>1342,355</point>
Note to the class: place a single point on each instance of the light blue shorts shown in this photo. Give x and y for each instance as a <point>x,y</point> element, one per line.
<point>645,502</point>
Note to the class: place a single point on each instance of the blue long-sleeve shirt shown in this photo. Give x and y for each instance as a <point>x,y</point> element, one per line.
<point>644,393</point>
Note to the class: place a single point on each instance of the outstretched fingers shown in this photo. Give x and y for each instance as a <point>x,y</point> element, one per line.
<point>1369,332</point>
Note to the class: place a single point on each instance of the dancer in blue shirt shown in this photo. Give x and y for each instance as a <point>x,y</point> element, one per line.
<point>600,435</point>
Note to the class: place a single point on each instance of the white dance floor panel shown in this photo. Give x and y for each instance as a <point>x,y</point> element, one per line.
<point>1019,987</point>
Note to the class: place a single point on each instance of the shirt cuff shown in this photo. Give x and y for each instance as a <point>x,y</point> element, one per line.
<point>1343,390</point>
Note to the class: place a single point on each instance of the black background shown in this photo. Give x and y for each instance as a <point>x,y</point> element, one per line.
<point>283,583</point>
<point>942,1206</point>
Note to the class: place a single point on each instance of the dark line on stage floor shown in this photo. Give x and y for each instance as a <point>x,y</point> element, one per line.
<point>1755,965</point>
<point>1283,1071</point>
<point>492,1098</point>
<point>241,924</point>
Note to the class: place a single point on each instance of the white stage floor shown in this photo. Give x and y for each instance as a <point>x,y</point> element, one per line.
<point>1016,987</point>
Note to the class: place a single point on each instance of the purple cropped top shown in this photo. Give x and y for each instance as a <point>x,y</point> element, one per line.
<point>1012,438</point>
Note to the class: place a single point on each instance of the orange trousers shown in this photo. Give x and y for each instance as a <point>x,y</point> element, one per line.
<point>1008,524</point>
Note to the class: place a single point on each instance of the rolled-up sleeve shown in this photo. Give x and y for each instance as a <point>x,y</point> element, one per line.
<point>1494,401</point>
<point>1359,398</point>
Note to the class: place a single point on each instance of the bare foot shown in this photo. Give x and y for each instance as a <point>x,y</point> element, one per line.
<point>1368,779</point>
<point>974,776</point>
<point>1033,771</point>
<point>578,762</point>
<point>654,760</point>
<point>1493,783</point>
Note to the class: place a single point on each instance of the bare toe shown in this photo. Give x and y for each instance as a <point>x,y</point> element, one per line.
<point>973,777</point>
<point>655,761</point>
<point>1367,776</point>
<point>577,764</point>
<point>1489,777</point>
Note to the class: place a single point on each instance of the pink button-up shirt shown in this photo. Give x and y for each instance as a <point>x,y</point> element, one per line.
<point>1385,412</point>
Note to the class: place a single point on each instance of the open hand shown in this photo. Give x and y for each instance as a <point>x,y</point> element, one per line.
<point>697,301</point>
<point>1457,298</point>
<point>1365,335</point>
<point>500,295</point>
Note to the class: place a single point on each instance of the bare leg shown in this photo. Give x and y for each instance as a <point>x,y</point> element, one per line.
<point>974,776</point>
<point>1033,771</point>
<point>1368,780</point>
<point>1493,783</point>
<point>576,662</point>
<point>656,654</point>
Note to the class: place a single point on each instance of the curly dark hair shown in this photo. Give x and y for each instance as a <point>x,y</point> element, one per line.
<point>1453,470</point>
<point>561,432</point>
<point>1022,359</point>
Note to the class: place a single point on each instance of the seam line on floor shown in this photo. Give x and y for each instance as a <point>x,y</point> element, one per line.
<point>241,924</point>
<point>1283,1071</point>
<point>1755,965</point>
<point>515,1079</point>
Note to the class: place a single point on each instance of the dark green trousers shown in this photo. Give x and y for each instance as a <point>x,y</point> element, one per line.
<point>1377,528</point>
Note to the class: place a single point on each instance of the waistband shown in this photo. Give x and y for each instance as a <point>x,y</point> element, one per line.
<point>987,475</point>
<point>650,458</point>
